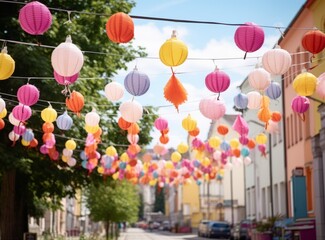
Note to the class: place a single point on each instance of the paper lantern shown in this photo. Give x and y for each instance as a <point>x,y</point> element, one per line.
<point>217,81</point>
<point>243,140</point>
<point>214,142</point>
<point>49,114</point>
<point>19,130</point>
<point>124,125</point>
<point>175,92</point>
<point>189,123</point>
<point>120,28</point>
<point>305,84</point>
<point>182,148</point>
<point>173,52</point>
<point>48,127</point>
<point>22,112</point>
<point>259,79</point>
<point>28,94</point>
<point>75,102</point>
<point>176,156</point>
<point>65,80</point>
<point>222,129</point>
<point>114,91</point>
<point>164,139</point>
<point>247,160</point>
<point>274,90</point>
<point>225,146</point>
<point>264,114</point>
<point>245,152</point>
<point>234,143</point>
<point>276,116</point>
<point>33,143</point>
<point>251,144</point>
<point>241,101</point>
<point>35,18</point>
<point>132,138</point>
<point>7,64</point>
<point>67,59</point>
<point>261,138</point>
<point>313,41</point>
<point>254,100</point>
<point>64,121</point>
<point>24,143</point>
<point>13,136</point>
<point>13,120</point>
<point>136,83</point>
<point>28,135</point>
<point>272,127</point>
<point>212,108</point>
<point>70,144</point>
<point>194,132</point>
<point>131,111</point>
<point>249,37</point>
<point>300,104</point>
<point>2,104</point>
<point>3,113</point>
<point>134,128</point>
<point>320,88</point>
<point>111,151</point>
<point>161,123</point>
<point>92,118</point>
<point>92,129</point>
<point>2,124</point>
<point>276,61</point>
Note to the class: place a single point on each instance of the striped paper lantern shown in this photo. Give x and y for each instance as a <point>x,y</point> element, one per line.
<point>136,83</point>
<point>217,81</point>
<point>120,28</point>
<point>64,121</point>
<point>22,112</point>
<point>300,104</point>
<point>274,90</point>
<point>28,94</point>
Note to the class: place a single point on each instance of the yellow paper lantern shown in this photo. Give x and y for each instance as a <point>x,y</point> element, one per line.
<point>176,156</point>
<point>111,151</point>
<point>7,64</point>
<point>234,143</point>
<point>206,162</point>
<point>65,158</point>
<point>169,165</point>
<point>199,155</point>
<point>49,114</point>
<point>91,129</point>
<point>265,101</point>
<point>70,144</point>
<point>261,138</point>
<point>124,157</point>
<point>100,170</point>
<point>182,148</point>
<point>214,142</point>
<point>115,176</point>
<point>25,143</point>
<point>173,52</point>
<point>305,84</point>
<point>189,124</point>
<point>3,113</point>
<point>153,182</point>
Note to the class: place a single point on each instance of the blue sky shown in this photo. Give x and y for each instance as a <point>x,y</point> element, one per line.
<point>203,41</point>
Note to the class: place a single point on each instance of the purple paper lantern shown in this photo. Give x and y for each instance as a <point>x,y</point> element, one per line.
<point>241,101</point>
<point>28,94</point>
<point>217,81</point>
<point>28,135</point>
<point>64,121</point>
<point>300,104</point>
<point>274,90</point>
<point>136,83</point>
<point>65,80</point>
<point>35,18</point>
<point>22,112</point>
<point>249,37</point>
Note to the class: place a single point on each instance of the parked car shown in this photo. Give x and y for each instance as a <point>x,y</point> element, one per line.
<point>203,228</point>
<point>235,232</point>
<point>245,229</point>
<point>219,229</point>
<point>165,226</point>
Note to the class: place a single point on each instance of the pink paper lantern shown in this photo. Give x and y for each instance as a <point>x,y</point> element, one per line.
<point>65,80</point>
<point>300,104</point>
<point>249,37</point>
<point>212,108</point>
<point>35,18</point>
<point>276,61</point>
<point>22,112</point>
<point>320,88</point>
<point>131,111</point>
<point>19,130</point>
<point>28,94</point>
<point>217,81</point>
<point>161,123</point>
<point>259,79</point>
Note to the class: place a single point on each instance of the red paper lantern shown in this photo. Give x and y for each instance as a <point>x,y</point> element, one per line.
<point>222,129</point>
<point>75,102</point>
<point>313,41</point>
<point>120,28</point>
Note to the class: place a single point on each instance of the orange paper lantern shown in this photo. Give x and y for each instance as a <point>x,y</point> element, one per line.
<point>134,129</point>
<point>120,28</point>
<point>222,129</point>
<point>164,139</point>
<point>194,132</point>
<point>123,124</point>
<point>75,102</point>
<point>276,116</point>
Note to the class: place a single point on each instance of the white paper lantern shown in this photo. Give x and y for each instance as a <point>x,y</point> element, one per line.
<point>272,127</point>
<point>92,118</point>
<point>259,79</point>
<point>67,152</point>
<point>254,100</point>
<point>13,120</point>
<point>67,59</point>
<point>2,104</point>
<point>71,162</point>
<point>131,111</point>
<point>276,61</point>
<point>64,121</point>
<point>247,160</point>
<point>114,91</point>
<point>13,136</point>
<point>133,138</point>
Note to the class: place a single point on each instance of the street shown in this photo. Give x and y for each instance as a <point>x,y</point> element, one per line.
<point>140,234</point>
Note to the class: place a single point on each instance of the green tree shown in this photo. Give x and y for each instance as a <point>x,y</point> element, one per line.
<point>29,178</point>
<point>113,202</point>
<point>159,205</point>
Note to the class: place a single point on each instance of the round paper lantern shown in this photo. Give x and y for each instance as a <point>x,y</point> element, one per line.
<point>182,148</point>
<point>75,102</point>
<point>24,143</point>
<point>164,139</point>
<point>92,129</point>
<point>67,59</point>
<point>64,121</point>
<point>28,135</point>
<point>245,152</point>
<point>251,144</point>
<point>272,127</point>
<point>22,112</point>
<point>124,125</point>
<point>33,143</point>
<point>261,138</point>
<point>7,64</point>
<point>176,156</point>
<point>49,114</point>
<point>254,100</point>
<point>259,79</point>
<point>114,91</point>
<point>276,116</point>
<point>70,144</point>
<point>2,124</point>
<point>173,52</point>
<point>3,113</point>
<point>65,80</point>
<point>120,28</point>
<point>249,37</point>
<point>212,108</point>
<point>92,118</point>
<point>234,143</point>
<point>20,129</point>
<point>134,128</point>
<point>225,146</point>
<point>194,132</point>
<point>133,138</point>
<point>28,94</point>
<point>217,81</point>
<point>243,140</point>
<point>136,83</point>
<point>2,104</point>
<point>222,129</point>
<point>35,18</point>
<point>241,101</point>
<point>214,142</point>
<point>13,120</point>
<point>300,104</point>
<point>111,151</point>
<point>320,88</point>
<point>189,123</point>
<point>13,136</point>
<point>48,127</point>
<point>247,160</point>
<point>274,90</point>
<point>313,41</point>
<point>161,123</point>
<point>131,111</point>
<point>276,61</point>
<point>305,84</point>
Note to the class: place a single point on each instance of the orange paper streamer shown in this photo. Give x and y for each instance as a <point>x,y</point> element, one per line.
<point>175,92</point>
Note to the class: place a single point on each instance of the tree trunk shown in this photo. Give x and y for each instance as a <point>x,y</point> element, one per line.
<point>13,217</point>
<point>107,229</point>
